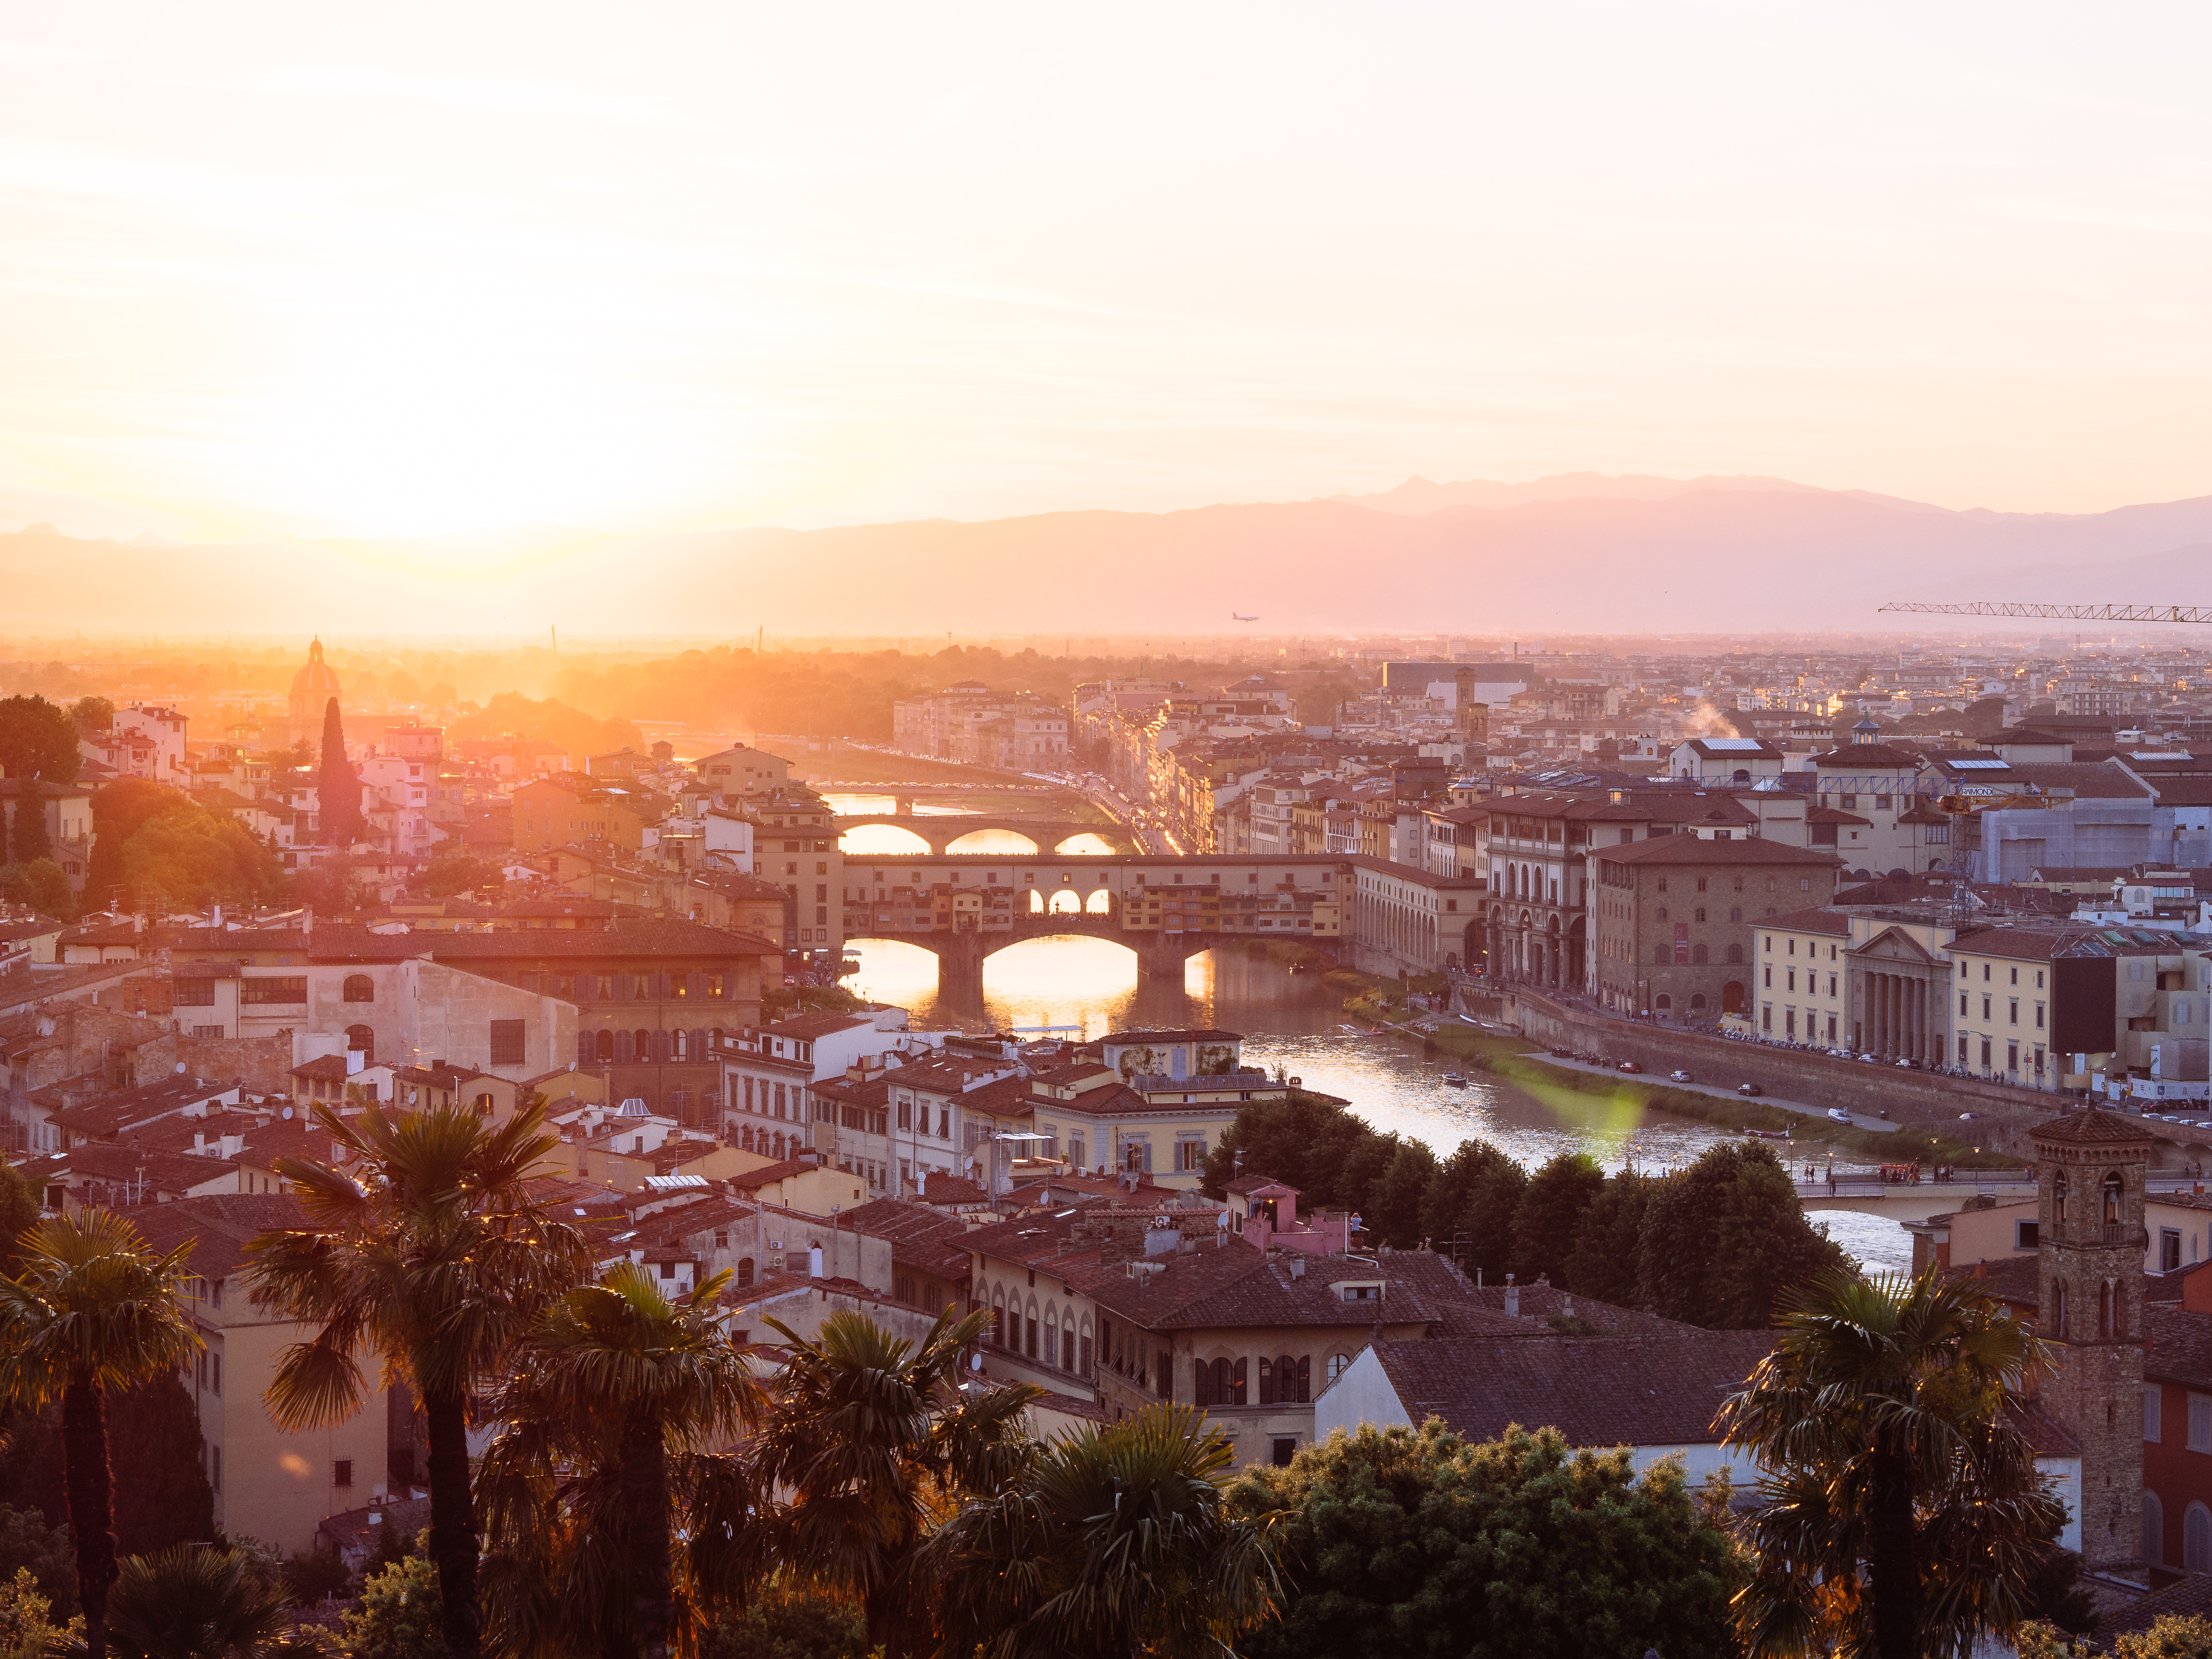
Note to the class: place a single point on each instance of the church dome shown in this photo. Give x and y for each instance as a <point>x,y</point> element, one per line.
<point>318,678</point>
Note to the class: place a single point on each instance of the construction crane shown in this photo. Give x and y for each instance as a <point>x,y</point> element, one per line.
<point>2133,613</point>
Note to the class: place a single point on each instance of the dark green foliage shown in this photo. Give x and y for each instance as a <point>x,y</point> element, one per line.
<point>400,1613</point>
<point>1416,1543</point>
<point>187,1603</point>
<point>788,1621</point>
<point>27,1540</point>
<point>2054,1592</point>
<point>1548,1219</point>
<point>93,715</point>
<point>338,785</point>
<point>1443,1206</point>
<point>1393,1213</point>
<point>1603,1262</point>
<point>452,871</point>
<point>19,1212</point>
<point>161,1492</point>
<point>27,840</point>
<point>41,886</point>
<point>1486,1217</point>
<point>1724,1239</point>
<point>37,740</point>
<point>155,846</point>
<point>313,1574</point>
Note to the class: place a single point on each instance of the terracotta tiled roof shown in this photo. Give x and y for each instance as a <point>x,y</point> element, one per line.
<point>2176,1345</point>
<point>1816,919</point>
<point>1694,849</point>
<point>2014,1279</point>
<point>222,1224</point>
<point>2188,1596</point>
<point>1596,1391</point>
<point>2091,1127</point>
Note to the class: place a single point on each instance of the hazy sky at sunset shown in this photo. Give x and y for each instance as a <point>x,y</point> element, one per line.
<point>350,270</point>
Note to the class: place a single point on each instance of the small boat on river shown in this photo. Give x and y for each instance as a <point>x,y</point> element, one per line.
<point>1454,1080</point>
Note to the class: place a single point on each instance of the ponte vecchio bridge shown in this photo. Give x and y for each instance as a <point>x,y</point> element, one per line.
<point>963,908</point>
<point>940,830</point>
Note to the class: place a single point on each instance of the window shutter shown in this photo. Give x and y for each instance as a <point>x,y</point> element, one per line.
<point>2153,1394</point>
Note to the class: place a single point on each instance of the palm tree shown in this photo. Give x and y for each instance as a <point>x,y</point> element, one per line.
<point>435,1259</point>
<point>91,1310</point>
<point>1903,1512</point>
<point>613,1378</point>
<point>188,1603</point>
<point>866,1434</point>
<point>1112,1542</point>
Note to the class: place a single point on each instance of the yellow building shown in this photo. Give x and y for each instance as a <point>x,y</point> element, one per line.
<point>1804,981</point>
<point>269,1484</point>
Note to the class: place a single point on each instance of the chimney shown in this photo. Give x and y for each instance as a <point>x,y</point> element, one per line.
<point>814,1262</point>
<point>1298,1266</point>
<point>307,921</point>
<point>1512,1298</point>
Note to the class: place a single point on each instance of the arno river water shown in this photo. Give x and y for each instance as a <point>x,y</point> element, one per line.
<point>1090,987</point>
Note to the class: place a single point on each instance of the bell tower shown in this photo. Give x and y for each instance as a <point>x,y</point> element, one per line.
<point>2090,1168</point>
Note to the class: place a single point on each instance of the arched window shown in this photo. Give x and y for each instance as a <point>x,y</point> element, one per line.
<point>1294,1380</point>
<point>362,1040</point>
<point>683,1045</point>
<point>588,1048</point>
<point>606,1047</point>
<point>1660,955</point>
<point>2112,1199</point>
<point>1698,956</point>
<point>1697,1002</point>
<point>1052,1335</point>
<point>2154,1528</point>
<point>1267,1380</point>
<point>1735,953</point>
<point>640,1046</point>
<point>359,988</point>
<point>1337,1363</point>
<point>625,1048</point>
<point>998,1314</point>
<point>745,1138</point>
<point>1663,1002</point>
<point>2197,1538</point>
<point>483,1104</point>
<point>744,1270</point>
<point>2057,1194</point>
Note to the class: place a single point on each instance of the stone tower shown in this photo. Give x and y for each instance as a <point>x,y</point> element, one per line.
<point>2090,1168</point>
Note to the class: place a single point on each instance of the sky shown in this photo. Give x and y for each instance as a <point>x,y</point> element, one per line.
<point>281,269</point>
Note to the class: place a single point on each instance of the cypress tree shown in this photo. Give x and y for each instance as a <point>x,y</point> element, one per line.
<point>337,789</point>
<point>27,841</point>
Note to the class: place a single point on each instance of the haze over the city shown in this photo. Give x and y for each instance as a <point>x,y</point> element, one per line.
<point>275,274</point>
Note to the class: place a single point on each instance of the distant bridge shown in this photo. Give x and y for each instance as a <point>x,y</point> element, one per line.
<point>961,951</point>
<point>941,829</point>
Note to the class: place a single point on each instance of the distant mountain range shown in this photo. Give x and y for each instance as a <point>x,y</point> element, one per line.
<point>1579,553</point>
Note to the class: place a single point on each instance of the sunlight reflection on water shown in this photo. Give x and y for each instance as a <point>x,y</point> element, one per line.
<point>1296,1022</point>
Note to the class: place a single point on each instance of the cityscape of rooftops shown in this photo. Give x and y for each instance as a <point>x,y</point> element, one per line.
<point>1286,834</point>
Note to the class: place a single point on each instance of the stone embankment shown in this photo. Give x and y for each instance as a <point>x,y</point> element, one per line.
<point>1922,1098</point>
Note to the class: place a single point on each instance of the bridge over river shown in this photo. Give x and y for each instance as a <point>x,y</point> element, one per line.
<point>943,830</point>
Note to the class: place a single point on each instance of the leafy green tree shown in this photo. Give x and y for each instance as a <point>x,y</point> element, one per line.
<point>1549,1217</point>
<point>1444,1205</point>
<point>153,844</point>
<point>435,1259</point>
<point>27,1539</point>
<point>186,1603</point>
<point>40,885</point>
<point>26,1626</point>
<point>37,740</point>
<point>1110,1541</point>
<point>867,1434</point>
<point>1487,1217</point>
<point>1903,1514</point>
<point>91,1310</point>
<point>1414,1542</point>
<point>401,1614</point>
<point>1724,1239</point>
<point>1392,1208</point>
<point>614,1378</point>
<point>1603,1261</point>
<point>338,785</point>
<point>93,716</point>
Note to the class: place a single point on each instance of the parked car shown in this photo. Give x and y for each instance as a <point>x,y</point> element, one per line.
<point>1838,1114</point>
<point>1628,1066</point>
<point>1749,1089</point>
<point>1678,1075</point>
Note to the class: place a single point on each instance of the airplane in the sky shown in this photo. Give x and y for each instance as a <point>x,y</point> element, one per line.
<point>1233,616</point>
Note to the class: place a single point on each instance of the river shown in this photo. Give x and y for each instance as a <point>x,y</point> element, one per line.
<point>1085,987</point>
